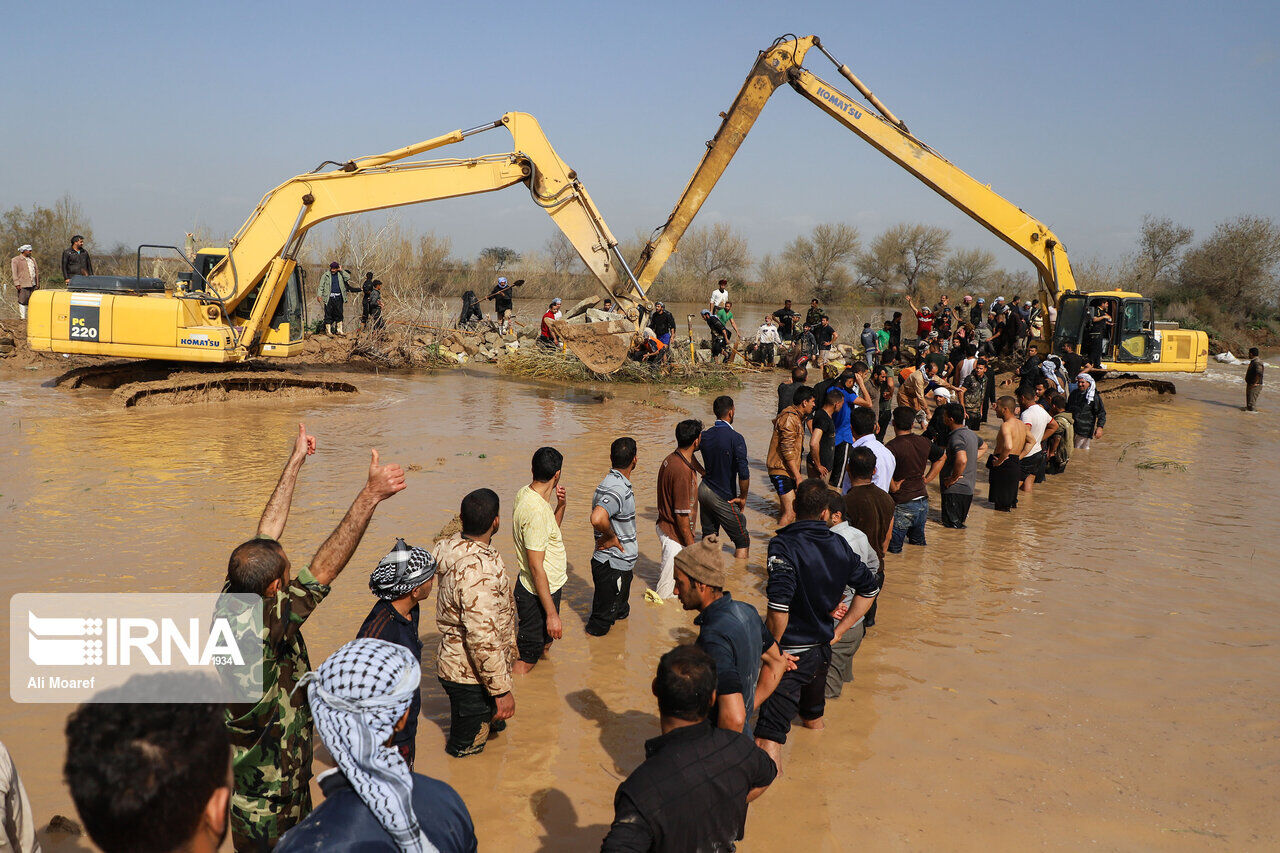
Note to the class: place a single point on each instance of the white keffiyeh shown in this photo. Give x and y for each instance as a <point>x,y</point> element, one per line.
<point>357,695</point>
<point>1093,386</point>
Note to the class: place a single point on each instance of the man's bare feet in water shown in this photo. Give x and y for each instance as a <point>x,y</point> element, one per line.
<point>816,725</point>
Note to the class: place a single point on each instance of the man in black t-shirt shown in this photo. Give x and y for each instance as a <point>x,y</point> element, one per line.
<point>822,445</point>
<point>662,323</point>
<point>786,321</point>
<point>1072,361</point>
<point>787,390</point>
<point>825,334</point>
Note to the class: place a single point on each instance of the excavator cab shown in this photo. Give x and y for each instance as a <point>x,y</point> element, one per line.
<point>1133,338</point>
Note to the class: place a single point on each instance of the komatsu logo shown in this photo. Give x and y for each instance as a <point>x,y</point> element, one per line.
<point>839,103</point>
<point>199,341</point>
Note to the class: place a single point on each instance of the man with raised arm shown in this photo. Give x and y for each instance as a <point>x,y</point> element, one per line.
<point>271,739</point>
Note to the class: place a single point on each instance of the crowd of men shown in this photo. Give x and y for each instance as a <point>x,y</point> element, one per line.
<point>726,703</point>
<point>184,776</point>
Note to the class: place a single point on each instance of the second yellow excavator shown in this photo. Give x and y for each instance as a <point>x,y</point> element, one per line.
<point>1133,341</point>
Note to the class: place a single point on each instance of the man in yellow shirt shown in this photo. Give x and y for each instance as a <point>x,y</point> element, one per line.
<point>540,553</point>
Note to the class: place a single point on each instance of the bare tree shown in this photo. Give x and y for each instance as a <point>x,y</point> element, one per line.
<point>1160,245</point>
<point>969,270</point>
<point>715,252</point>
<point>563,256</point>
<point>922,250</point>
<point>433,265</point>
<point>779,273</point>
<point>824,255</point>
<point>878,266</point>
<point>1235,266</point>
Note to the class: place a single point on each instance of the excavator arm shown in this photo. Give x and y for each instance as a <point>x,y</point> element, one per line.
<point>260,259</point>
<point>260,251</point>
<point>781,63</point>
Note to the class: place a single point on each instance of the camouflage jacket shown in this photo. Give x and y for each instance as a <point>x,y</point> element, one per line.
<point>271,740</point>
<point>476,615</point>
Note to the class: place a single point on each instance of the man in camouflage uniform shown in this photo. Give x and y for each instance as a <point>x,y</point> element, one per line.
<point>476,615</point>
<point>271,740</point>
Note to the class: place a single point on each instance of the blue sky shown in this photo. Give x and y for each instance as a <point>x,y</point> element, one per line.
<point>1088,115</point>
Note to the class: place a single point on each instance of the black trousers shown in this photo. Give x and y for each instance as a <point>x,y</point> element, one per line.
<point>955,509</point>
<point>973,421</point>
<point>1004,482</point>
<point>531,633</point>
<point>471,711</point>
<point>801,692</point>
<point>333,310</point>
<point>718,345</point>
<point>609,604</point>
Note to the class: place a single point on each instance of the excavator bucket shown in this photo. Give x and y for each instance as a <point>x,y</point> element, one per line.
<point>602,346</point>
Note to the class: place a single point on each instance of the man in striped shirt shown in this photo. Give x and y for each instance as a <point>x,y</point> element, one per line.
<point>613,517</point>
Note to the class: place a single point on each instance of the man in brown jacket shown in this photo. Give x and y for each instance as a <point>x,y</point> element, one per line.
<point>26,277</point>
<point>785,449</point>
<point>476,615</point>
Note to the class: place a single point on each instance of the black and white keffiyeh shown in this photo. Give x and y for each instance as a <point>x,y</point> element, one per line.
<point>404,569</point>
<point>357,695</point>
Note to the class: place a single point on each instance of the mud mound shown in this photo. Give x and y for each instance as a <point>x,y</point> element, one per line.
<point>1128,386</point>
<point>185,388</point>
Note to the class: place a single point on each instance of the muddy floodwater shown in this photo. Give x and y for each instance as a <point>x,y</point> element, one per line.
<point>1099,669</point>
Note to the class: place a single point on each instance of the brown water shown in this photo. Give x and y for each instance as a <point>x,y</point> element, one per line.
<point>1100,668</point>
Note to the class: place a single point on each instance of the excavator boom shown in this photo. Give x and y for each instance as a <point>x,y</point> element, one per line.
<point>1140,347</point>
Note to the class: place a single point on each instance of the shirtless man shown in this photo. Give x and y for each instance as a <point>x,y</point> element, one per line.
<point>1005,462</point>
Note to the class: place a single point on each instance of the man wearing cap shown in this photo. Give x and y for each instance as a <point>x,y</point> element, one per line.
<point>76,260</point>
<point>401,580</point>
<point>334,286</point>
<point>662,323</point>
<point>547,336</point>
<point>26,277</point>
<point>749,663</point>
<point>719,296</point>
<point>501,296</point>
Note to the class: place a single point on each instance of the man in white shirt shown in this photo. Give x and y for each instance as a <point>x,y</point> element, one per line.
<point>862,421</point>
<point>1040,425</point>
<point>720,295</point>
<point>767,341</point>
<point>840,672</point>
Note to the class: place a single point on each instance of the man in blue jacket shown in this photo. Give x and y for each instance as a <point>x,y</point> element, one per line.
<point>809,568</point>
<point>722,496</point>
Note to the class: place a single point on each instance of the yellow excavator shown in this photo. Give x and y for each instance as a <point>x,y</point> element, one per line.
<point>1136,342</point>
<point>247,299</point>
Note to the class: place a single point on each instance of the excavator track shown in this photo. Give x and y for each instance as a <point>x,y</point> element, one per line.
<point>153,383</point>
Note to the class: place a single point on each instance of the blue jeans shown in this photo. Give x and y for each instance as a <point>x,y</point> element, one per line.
<point>908,524</point>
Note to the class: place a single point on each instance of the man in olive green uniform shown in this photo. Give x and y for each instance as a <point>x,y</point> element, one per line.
<point>271,740</point>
